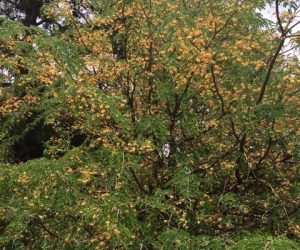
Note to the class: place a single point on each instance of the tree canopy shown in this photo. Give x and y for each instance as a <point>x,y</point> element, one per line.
<point>149,124</point>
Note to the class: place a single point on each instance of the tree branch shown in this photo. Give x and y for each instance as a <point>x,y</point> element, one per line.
<point>138,181</point>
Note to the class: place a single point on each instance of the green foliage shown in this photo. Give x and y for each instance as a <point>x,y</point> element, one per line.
<point>45,206</point>
<point>264,242</point>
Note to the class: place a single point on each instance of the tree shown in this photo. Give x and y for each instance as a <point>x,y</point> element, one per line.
<point>161,120</point>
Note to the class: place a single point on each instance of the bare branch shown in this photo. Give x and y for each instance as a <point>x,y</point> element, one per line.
<point>278,19</point>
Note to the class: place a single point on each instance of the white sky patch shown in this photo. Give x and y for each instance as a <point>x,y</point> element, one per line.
<point>166,150</point>
<point>290,48</point>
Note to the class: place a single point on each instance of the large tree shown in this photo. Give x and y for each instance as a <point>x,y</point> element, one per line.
<point>157,119</point>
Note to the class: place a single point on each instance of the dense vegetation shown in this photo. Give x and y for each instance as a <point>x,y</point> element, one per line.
<point>149,124</point>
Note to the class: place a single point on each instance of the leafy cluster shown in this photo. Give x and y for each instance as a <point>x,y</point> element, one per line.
<point>149,124</point>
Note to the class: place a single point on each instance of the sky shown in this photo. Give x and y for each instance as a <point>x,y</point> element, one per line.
<point>269,13</point>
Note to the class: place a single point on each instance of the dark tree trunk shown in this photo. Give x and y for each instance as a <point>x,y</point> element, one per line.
<point>32,10</point>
